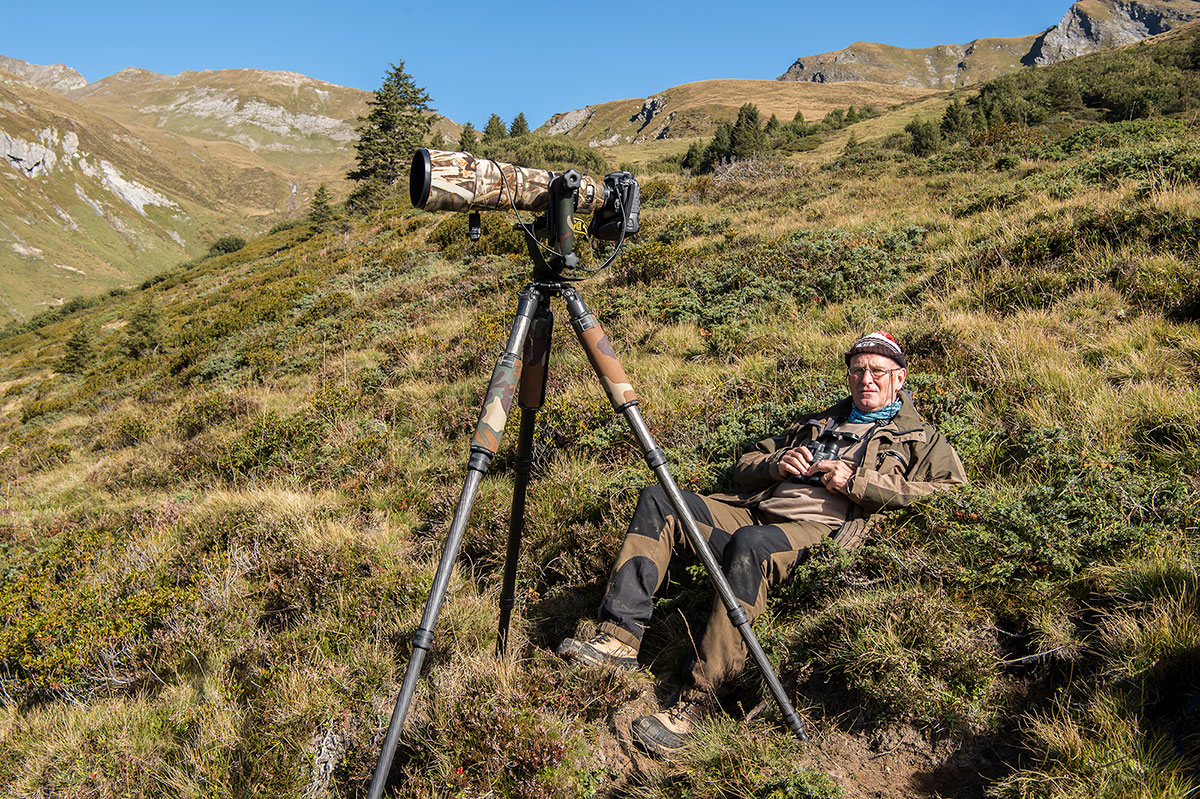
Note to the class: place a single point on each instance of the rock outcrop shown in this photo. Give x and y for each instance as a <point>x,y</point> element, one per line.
<point>57,77</point>
<point>1088,26</point>
<point>1092,25</point>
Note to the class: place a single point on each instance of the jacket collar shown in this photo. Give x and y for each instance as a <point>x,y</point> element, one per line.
<point>907,418</point>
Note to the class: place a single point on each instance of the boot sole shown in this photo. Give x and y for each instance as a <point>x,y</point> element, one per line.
<point>652,737</point>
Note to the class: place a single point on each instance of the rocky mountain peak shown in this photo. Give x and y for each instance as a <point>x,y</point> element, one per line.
<point>1091,25</point>
<point>56,77</point>
<point>1088,26</point>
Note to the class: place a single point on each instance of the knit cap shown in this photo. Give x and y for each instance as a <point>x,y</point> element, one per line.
<point>878,343</point>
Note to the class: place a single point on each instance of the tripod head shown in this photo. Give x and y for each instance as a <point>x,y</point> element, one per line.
<point>456,181</point>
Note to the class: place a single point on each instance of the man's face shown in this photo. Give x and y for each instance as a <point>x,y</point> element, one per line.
<point>879,384</point>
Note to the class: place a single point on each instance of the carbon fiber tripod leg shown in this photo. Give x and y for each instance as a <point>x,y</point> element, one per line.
<point>488,431</point>
<point>624,401</point>
<point>531,397</point>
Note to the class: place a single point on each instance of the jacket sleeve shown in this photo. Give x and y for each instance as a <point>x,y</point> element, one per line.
<point>937,469</point>
<point>759,467</point>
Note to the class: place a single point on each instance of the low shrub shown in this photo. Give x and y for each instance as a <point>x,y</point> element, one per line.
<point>225,245</point>
<point>912,654</point>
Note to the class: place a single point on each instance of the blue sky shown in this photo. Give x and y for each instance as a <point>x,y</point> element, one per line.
<point>478,58</point>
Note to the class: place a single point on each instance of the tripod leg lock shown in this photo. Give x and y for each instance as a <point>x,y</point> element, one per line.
<point>422,639</point>
<point>738,616</point>
<point>655,458</point>
<point>480,460</point>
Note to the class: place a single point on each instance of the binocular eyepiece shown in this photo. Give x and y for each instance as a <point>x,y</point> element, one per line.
<point>821,451</point>
<point>441,180</point>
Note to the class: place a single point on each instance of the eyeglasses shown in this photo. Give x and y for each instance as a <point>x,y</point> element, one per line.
<point>876,374</point>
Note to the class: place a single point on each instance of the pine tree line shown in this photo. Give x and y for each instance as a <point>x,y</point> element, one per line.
<point>748,136</point>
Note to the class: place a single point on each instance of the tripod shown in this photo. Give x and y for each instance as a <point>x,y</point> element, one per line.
<point>520,373</point>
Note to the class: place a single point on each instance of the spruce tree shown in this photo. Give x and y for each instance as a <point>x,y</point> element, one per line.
<point>694,157</point>
<point>142,334</point>
<point>467,140</point>
<point>747,137</point>
<point>78,352</point>
<point>495,129</point>
<point>519,126</point>
<point>720,149</point>
<point>398,123</point>
<point>320,212</point>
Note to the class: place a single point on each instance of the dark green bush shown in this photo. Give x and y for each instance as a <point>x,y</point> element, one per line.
<point>926,137</point>
<point>226,245</point>
<point>1064,507</point>
<point>557,153</point>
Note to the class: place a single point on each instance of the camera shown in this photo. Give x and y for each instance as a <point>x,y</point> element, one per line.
<point>455,181</point>
<point>622,205</point>
<point>441,180</point>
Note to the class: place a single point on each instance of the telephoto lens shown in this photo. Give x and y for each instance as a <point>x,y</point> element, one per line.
<point>441,180</point>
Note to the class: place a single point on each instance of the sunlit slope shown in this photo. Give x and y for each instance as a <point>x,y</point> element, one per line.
<point>299,125</point>
<point>694,109</point>
<point>89,203</point>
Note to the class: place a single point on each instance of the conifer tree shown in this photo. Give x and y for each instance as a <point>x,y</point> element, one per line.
<point>398,123</point>
<point>78,352</point>
<point>720,148</point>
<point>747,137</point>
<point>142,334</point>
<point>320,212</point>
<point>956,120</point>
<point>519,126</point>
<point>467,140</point>
<point>495,129</point>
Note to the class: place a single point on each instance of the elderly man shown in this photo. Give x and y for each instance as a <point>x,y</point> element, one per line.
<point>824,476</point>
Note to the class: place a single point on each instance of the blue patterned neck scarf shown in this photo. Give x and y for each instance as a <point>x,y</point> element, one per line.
<point>884,414</point>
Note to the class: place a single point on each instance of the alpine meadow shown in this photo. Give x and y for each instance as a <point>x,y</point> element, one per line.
<point>226,490</point>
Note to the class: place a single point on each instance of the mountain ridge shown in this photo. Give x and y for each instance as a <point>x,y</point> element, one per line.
<point>1087,26</point>
<point>694,109</point>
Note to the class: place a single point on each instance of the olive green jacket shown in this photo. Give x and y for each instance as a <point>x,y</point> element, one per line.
<point>904,459</point>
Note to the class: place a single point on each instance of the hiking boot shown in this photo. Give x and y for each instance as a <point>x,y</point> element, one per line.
<point>599,650</point>
<point>664,733</point>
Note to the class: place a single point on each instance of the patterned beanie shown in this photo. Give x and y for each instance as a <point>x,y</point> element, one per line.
<point>878,343</point>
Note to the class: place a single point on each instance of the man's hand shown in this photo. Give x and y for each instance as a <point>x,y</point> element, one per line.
<point>835,475</point>
<point>796,461</point>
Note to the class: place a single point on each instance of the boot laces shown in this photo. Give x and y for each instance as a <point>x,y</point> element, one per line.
<point>684,710</point>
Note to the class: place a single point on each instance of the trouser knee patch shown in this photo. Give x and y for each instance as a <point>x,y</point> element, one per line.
<point>745,555</point>
<point>629,601</point>
<point>654,508</point>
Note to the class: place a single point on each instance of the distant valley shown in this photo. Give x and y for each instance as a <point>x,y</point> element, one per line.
<point>110,182</point>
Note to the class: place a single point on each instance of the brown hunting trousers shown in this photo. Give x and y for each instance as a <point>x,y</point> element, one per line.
<point>756,550</point>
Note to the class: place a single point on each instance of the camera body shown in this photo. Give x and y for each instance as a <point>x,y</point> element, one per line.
<point>619,215</point>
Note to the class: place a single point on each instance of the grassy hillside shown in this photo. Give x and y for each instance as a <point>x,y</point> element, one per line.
<point>301,126</point>
<point>944,66</point>
<point>225,492</point>
<point>230,151</point>
<point>694,109</point>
